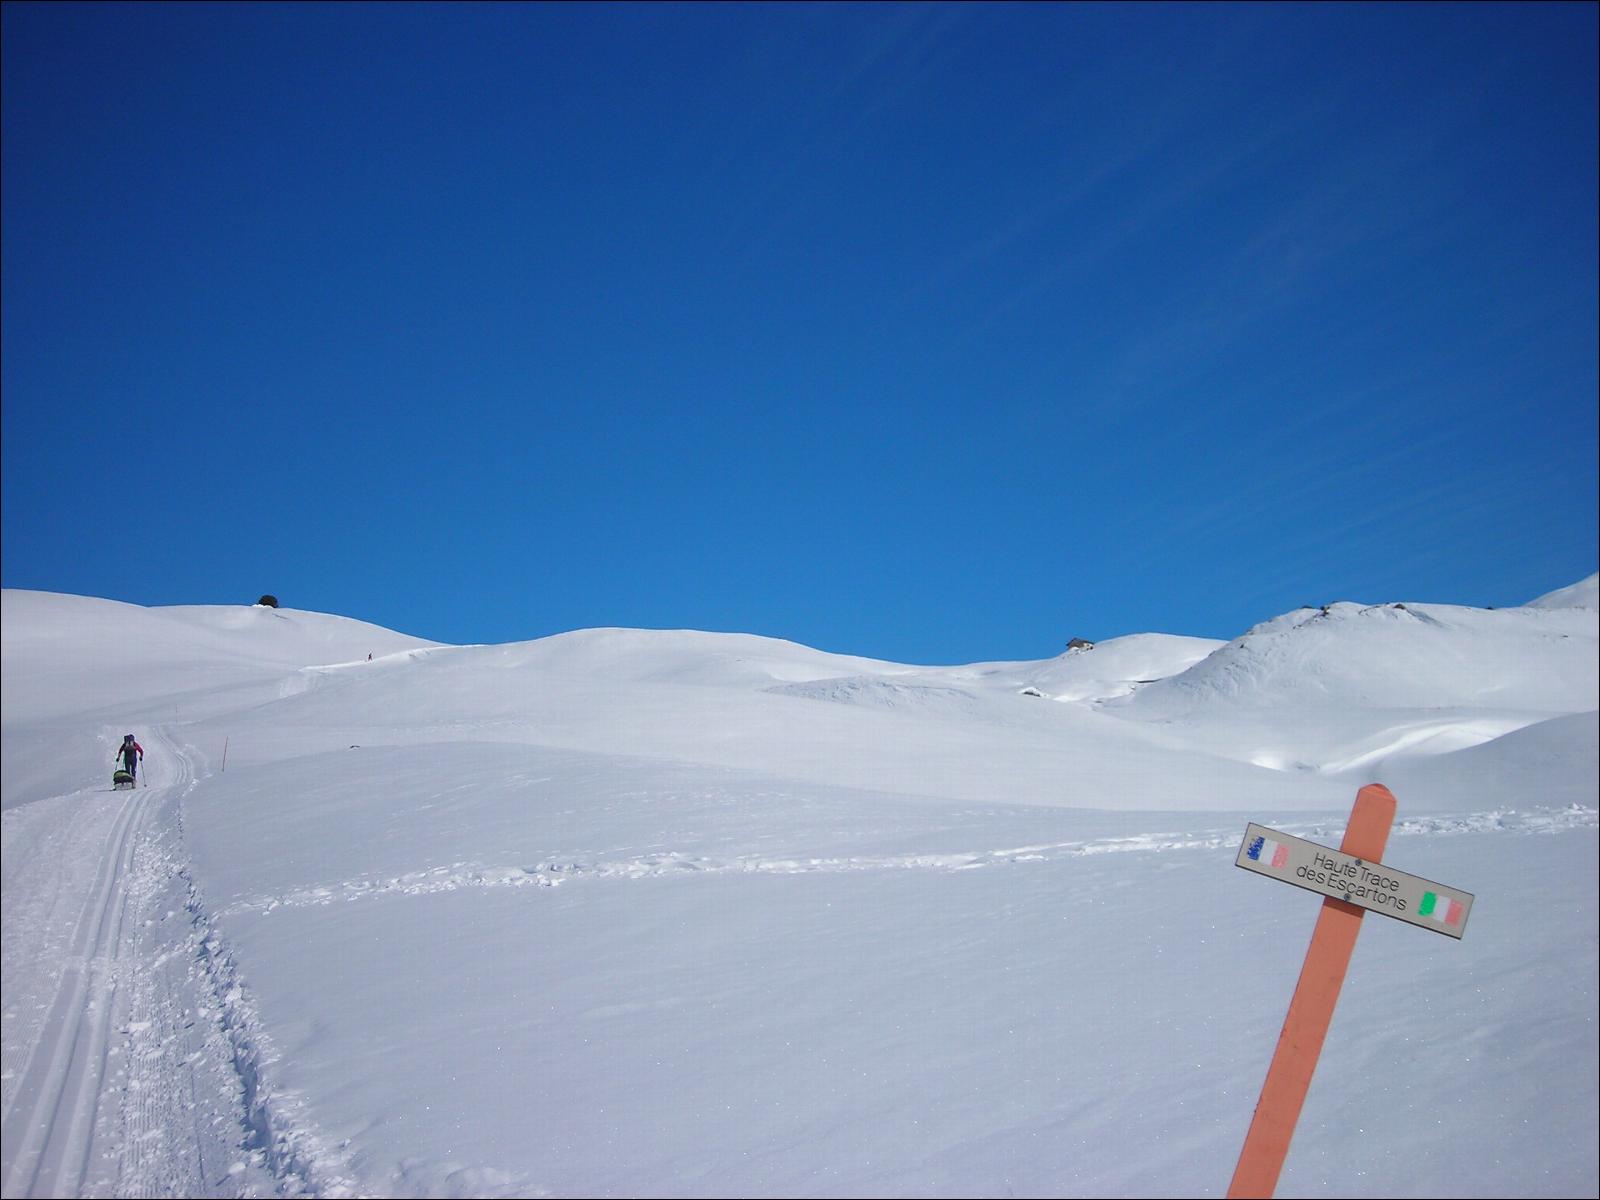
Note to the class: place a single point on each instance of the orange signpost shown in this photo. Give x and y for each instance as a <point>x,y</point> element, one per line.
<point>1310,1011</point>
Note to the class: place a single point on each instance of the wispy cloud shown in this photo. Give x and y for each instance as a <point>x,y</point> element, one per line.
<point>888,64</point>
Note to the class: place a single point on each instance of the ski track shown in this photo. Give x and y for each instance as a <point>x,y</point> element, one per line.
<point>53,1110</point>
<point>119,1077</point>
<point>464,875</point>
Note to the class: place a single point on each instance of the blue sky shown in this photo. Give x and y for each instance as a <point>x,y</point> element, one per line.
<point>931,333</point>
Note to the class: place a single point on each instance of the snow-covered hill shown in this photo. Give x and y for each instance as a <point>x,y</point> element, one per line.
<point>74,663</point>
<point>75,654</point>
<point>1359,692</point>
<point>1583,594</point>
<point>1391,656</point>
<point>665,912</point>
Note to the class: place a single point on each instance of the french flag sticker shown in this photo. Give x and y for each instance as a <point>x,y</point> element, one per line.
<point>1268,852</point>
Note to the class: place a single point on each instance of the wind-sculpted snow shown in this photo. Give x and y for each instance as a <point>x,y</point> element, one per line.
<point>882,693</point>
<point>1395,656</point>
<point>1118,667</point>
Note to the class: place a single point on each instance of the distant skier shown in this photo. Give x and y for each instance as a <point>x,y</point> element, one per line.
<point>131,754</point>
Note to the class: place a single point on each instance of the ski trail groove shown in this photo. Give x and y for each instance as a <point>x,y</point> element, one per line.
<point>119,1078</point>
<point>49,1125</point>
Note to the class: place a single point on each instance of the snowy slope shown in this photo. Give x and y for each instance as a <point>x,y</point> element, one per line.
<point>1583,594</point>
<point>1395,656</point>
<point>1352,691</point>
<point>662,912</point>
<point>77,654</point>
<point>1115,667</point>
<point>102,662</point>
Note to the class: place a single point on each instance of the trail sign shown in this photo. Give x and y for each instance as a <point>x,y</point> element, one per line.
<point>1362,882</point>
<point>1351,880</point>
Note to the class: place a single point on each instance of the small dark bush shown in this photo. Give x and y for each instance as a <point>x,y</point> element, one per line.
<point>269,601</point>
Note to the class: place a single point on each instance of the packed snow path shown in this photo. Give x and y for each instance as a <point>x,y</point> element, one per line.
<point>52,1102</point>
<point>117,1075</point>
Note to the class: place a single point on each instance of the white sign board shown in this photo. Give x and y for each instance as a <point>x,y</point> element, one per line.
<point>1368,885</point>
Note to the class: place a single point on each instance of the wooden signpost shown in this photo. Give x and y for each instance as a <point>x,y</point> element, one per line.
<point>1352,881</point>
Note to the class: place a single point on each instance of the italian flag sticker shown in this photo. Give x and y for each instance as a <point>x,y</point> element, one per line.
<point>1273,854</point>
<point>1440,908</point>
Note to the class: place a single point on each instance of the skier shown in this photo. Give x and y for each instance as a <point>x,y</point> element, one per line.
<point>131,753</point>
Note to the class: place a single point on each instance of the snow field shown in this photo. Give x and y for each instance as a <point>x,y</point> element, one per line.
<point>668,913</point>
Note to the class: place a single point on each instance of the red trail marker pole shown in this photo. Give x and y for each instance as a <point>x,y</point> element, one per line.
<point>1311,1009</point>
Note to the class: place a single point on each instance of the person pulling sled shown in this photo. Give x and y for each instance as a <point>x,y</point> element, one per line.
<point>131,754</point>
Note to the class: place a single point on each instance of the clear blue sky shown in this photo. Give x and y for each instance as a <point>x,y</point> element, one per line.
<point>931,333</point>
